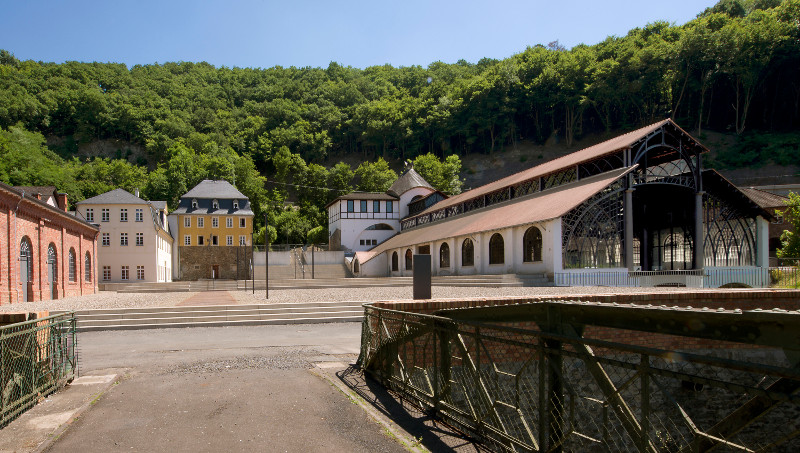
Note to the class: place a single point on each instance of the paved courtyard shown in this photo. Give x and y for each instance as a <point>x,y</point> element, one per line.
<point>111,299</point>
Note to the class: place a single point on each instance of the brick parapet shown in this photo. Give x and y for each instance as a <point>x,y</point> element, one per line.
<point>743,299</point>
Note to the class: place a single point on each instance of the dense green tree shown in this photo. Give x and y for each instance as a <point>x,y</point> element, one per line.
<point>790,240</point>
<point>443,176</point>
<point>375,176</point>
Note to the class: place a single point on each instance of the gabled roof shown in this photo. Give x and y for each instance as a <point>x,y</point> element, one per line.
<point>44,190</point>
<point>607,147</point>
<point>160,205</point>
<point>53,209</point>
<point>765,199</point>
<point>214,189</point>
<point>407,181</point>
<point>539,207</point>
<point>116,196</point>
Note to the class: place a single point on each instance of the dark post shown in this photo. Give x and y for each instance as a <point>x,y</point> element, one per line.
<point>312,261</point>
<point>252,262</point>
<point>266,254</point>
<point>422,276</point>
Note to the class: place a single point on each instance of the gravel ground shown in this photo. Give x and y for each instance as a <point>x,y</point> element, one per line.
<point>111,299</point>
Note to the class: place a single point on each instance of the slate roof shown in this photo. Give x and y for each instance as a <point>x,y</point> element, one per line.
<point>218,189</point>
<point>407,181</point>
<point>116,196</point>
<point>44,190</point>
<point>160,205</point>
<point>537,207</point>
<point>18,191</point>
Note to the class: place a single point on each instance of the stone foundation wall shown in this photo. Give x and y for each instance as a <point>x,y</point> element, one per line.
<point>198,262</point>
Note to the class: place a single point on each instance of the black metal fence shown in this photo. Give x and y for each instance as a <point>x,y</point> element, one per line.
<point>37,358</point>
<point>521,389</point>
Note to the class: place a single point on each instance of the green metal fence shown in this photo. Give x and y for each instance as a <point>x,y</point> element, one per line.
<point>522,389</point>
<point>37,358</point>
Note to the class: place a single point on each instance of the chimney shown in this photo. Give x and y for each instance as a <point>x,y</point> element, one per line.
<point>62,201</point>
<point>136,191</point>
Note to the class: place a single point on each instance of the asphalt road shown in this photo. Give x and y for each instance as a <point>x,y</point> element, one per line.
<point>223,389</point>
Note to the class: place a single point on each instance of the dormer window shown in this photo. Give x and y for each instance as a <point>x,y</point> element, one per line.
<point>194,204</point>
<point>235,204</point>
<point>215,204</point>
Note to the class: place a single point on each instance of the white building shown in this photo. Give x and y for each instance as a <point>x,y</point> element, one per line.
<point>359,221</point>
<point>636,210</point>
<point>135,244</point>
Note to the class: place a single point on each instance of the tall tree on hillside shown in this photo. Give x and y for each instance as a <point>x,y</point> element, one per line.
<point>375,176</point>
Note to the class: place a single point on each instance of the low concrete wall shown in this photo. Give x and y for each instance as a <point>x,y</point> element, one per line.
<point>275,258</point>
<point>323,257</point>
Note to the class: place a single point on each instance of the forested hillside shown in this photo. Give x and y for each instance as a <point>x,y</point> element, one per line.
<point>735,68</point>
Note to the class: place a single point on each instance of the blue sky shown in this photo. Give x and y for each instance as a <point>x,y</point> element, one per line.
<point>266,33</point>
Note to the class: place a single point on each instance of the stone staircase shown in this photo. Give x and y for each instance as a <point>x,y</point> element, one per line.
<point>496,281</point>
<point>217,316</point>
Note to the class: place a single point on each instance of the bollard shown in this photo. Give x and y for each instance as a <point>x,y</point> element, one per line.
<point>422,276</point>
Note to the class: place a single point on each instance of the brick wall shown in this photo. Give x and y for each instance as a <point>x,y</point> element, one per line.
<point>43,226</point>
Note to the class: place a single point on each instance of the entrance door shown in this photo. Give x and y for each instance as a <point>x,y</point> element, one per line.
<point>52,271</point>
<point>215,271</point>
<point>25,267</point>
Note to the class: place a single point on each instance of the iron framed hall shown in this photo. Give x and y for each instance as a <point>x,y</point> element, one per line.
<point>633,207</point>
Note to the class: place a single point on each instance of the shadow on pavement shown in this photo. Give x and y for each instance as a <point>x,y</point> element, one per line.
<point>430,432</point>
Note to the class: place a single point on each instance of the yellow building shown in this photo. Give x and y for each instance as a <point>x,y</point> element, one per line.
<point>214,224</point>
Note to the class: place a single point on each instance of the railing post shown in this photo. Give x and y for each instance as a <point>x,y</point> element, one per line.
<point>644,368</point>
<point>442,387</point>
<point>555,403</point>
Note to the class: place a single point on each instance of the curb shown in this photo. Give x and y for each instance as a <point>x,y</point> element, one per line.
<point>323,370</point>
<point>56,434</point>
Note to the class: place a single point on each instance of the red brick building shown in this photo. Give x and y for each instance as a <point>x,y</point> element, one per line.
<point>45,252</point>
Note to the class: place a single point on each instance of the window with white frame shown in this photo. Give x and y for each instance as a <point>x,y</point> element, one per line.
<point>215,204</point>
<point>90,215</point>
<point>139,215</point>
<point>194,204</point>
<point>242,240</point>
<point>139,238</point>
<point>215,222</point>
<point>123,239</point>
<point>139,272</point>
<point>106,239</point>
<point>104,215</point>
<point>123,215</point>
<point>201,222</point>
<point>214,240</point>
<point>200,240</point>
<point>187,239</point>
<point>228,240</point>
<point>229,222</point>
<point>235,204</point>
<point>125,272</point>
<point>106,273</point>
<point>187,221</point>
<point>242,222</point>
